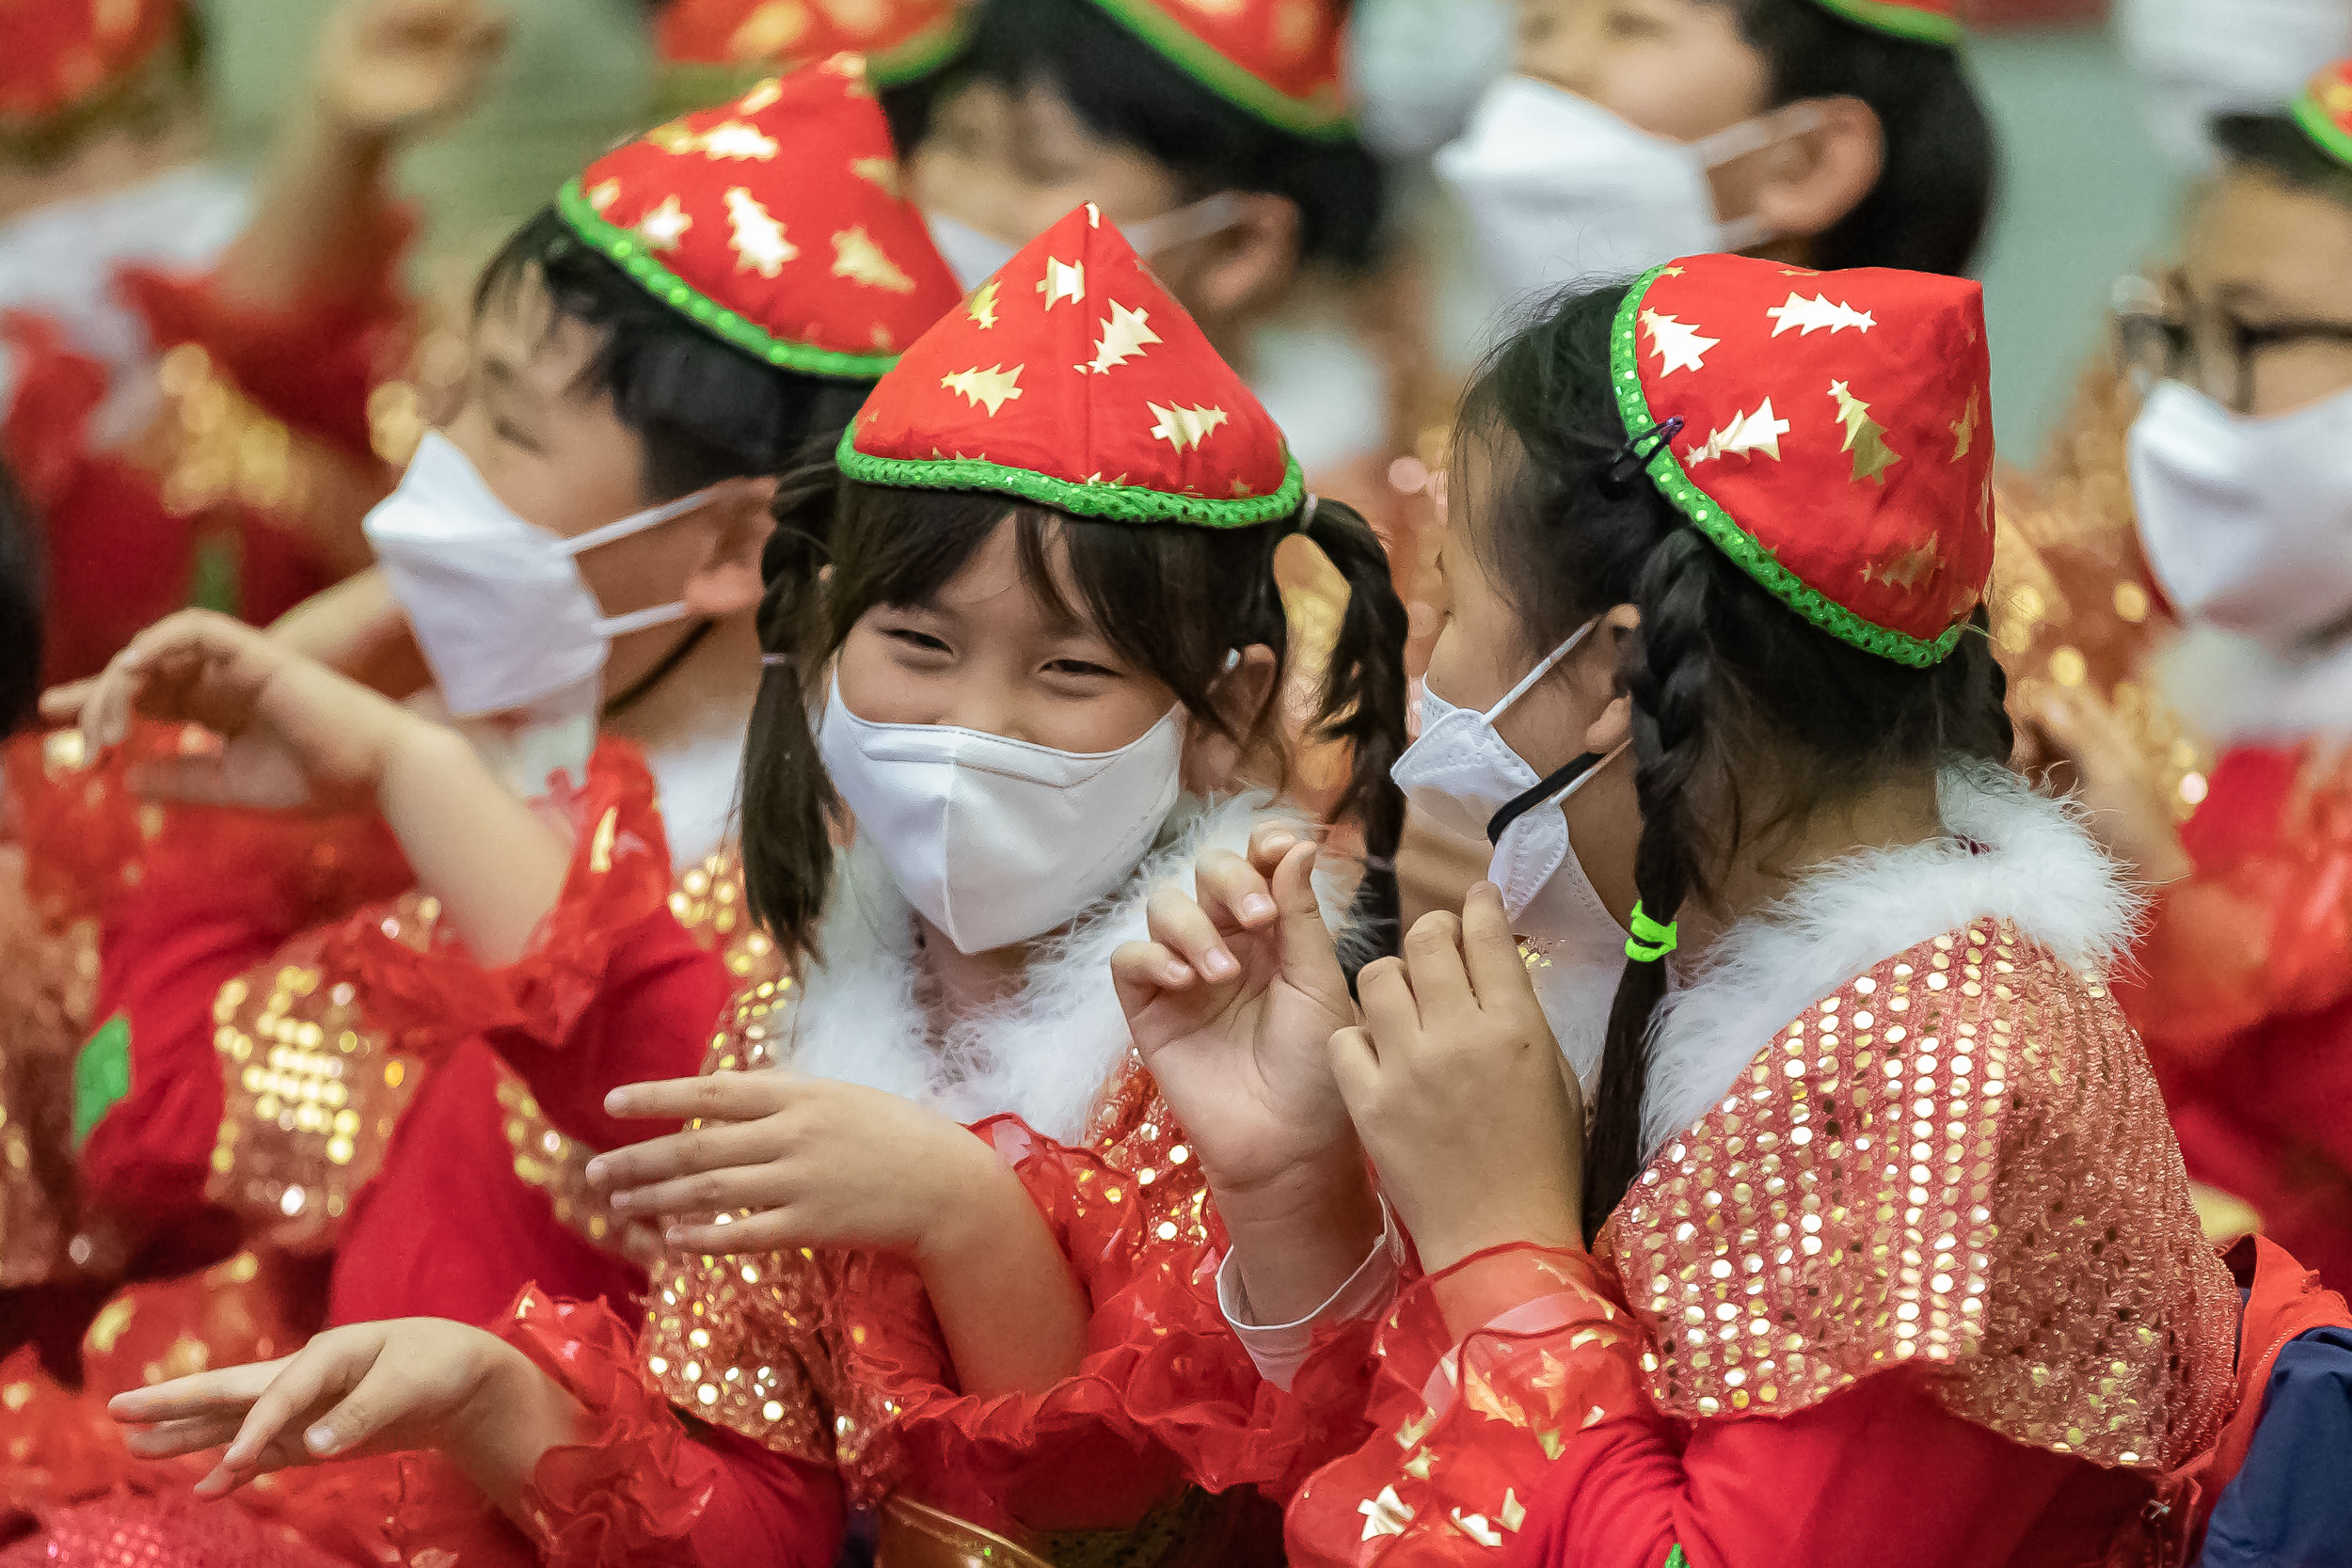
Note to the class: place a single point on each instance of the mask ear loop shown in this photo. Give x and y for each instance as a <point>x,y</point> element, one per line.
<point>1552,791</point>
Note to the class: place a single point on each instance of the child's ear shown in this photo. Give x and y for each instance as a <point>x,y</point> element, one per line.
<point>1213,762</point>
<point>727,581</point>
<point>1240,267</point>
<point>1823,174</point>
<point>1614,726</point>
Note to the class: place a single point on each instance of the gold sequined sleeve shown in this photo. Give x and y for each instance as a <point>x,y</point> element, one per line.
<point>1958,1162</point>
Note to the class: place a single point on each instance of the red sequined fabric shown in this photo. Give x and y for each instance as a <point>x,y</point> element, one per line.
<point>153,1532</point>
<point>834,1357</point>
<point>1959,1159</point>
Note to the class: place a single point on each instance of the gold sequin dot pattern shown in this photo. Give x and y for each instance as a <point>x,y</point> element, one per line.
<point>312,1093</point>
<point>1959,1159</point>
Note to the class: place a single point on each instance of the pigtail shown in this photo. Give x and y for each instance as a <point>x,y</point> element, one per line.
<point>1670,672</point>
<point>1363,705</point>
<point>788,804</point>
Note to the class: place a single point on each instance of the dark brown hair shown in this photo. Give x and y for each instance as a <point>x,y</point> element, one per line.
<point>1720,671</point>
<point>1173,599</point>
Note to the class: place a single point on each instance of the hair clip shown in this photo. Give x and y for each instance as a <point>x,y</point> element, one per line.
<point>1305,520</point>
<point>1617,481</point>
<point>774,662</point>
<point>1651,941</point>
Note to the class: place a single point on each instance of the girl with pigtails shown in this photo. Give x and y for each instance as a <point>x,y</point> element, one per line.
<point>937,1241</point>
<point>1873,1244</point>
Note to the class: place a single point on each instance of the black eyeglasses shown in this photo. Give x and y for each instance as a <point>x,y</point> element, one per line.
<point>2174,337</point>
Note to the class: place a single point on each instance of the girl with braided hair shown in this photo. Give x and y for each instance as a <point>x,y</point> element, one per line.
<point>1020,681</point>
<point>1873,1238</point>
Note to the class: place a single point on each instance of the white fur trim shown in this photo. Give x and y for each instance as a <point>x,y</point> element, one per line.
<point>2039,869</point>
<point>1044,1054</point>
<point>2234,690</point>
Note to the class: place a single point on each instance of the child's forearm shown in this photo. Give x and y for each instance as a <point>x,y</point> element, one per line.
<point>317,228</point>
<point>497,866</point>
<point>519,1414</point>
<point>1013,1315</point>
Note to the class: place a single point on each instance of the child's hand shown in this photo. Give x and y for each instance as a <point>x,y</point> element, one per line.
<point>294,733</point>
<point>388,68</point>
<point>380,1387</point>
<point>819,1163</point>
<point>1232,1003</point>
<point>2113,779</point>
<point>1459,1092</point>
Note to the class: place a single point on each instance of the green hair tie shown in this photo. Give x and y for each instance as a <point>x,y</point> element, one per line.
<point>1651,942</point>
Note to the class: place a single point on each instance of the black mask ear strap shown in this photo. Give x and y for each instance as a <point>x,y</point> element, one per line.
<point>1520,804</point>
<point>1617,481</point>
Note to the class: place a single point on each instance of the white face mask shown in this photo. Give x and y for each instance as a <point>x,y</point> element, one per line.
<point>498,607</point>
<point>2247,522</point>
<point>974,256</point>
<point>1560,189</point>
<point>1418,67</point>
<point>995,841</point>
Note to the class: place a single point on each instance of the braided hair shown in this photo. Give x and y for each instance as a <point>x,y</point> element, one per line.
<point>1719,672</point>
<point>1173,599</point>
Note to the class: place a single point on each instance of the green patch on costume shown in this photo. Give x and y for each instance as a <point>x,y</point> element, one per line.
<point>1675,1560</point>
<point>102,1076</point>
<point>215,577</point>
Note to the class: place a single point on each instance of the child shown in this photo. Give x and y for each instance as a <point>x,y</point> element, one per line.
<point>1823,133</point>
<point>1888,1244</point>
<point>188,393</point>
<point>2243,511</point>
<point>310,1041</point>
<point>1040,637</point>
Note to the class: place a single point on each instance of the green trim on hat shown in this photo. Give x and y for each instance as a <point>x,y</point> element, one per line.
<point>1200,61</point>
<point>1719,526</point>
<point>626,249</point>
<point>1897,21</point>
<point>921,55</point>
<point>1117,503</point>
<point>2320,126</point>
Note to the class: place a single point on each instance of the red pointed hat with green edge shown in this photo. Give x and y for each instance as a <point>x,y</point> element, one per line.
<point>2325,111</point>
<point>1921,21</point>
<point>776,223</point>
<point>1836,436</point>
<point>1279,60</point>
<point>60,53</point>
<point>900,39</point>
<point>1074,380</point>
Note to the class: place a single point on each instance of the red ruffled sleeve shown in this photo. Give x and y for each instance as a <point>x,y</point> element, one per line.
<point>2262,927</point>
<point>423,1001</point>
<point>644,1489</point>
<point>1166,1396</point>
<point>1485,1371</point>
<point>312,364</point>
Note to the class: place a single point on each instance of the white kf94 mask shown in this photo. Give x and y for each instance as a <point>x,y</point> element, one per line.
<point>997,841</point>
<point>498,605</point>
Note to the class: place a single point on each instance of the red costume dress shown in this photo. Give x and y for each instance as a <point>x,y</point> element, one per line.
<point>792,1369</point>
<point>1920,1274</point>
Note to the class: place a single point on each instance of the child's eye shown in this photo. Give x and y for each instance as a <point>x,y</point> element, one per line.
<point>1080,667</point>
<point>514,436</point>
<point>908,637</point>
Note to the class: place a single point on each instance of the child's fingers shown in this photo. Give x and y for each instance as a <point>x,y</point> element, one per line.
<point>706,1192</point>
<point>291,1395</point>
<point>1389,1011</point>
<point>1356,1068</point>
<point>1433,957</point>
<point>191,1435</point>
<point>769,1230</point>
<point>1491,951</point>
<point>60,703</point>
<point>720,1146</point>
<point>385,1393</point>
<point>1140,971</point>
<point>1310,960</point>
<point>713,1096</point>
<point>229,1391</point>
<point>1181,926</point>
<point>1270,842</point>
<point>1231,893</point>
